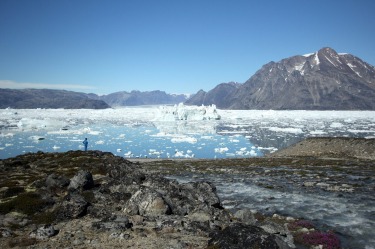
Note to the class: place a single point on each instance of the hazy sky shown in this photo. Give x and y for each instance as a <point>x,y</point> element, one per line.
<point>179,46</point>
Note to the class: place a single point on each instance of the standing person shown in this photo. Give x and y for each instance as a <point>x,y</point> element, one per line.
<point>85,143</point>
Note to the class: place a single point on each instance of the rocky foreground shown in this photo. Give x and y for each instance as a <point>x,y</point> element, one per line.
<point>97,200</point>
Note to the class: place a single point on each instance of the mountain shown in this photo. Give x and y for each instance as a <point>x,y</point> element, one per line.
<point>218,95</point>
<point>46,98</point>
<point>324,80</point>
<point>135,98</point>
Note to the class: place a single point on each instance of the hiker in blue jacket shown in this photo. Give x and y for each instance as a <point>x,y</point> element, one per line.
<point>85,143</point>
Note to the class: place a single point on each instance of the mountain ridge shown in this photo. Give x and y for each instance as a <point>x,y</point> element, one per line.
<point>324,80</point>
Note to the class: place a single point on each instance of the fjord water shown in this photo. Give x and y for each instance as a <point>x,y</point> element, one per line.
<point>142,132</point>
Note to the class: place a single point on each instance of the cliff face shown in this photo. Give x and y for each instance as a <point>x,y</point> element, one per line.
<point>46,98</point>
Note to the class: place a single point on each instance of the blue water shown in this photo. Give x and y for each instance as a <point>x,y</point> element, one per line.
<point>142,141</point>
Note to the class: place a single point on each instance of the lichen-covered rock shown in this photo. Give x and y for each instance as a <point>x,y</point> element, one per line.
<point>72,206</point>
<point>54,181</point>
<point>81,181</point>
<point>246,216</point>
<point>147,202</point>
<point>44,232</point>
<point>187,198</point>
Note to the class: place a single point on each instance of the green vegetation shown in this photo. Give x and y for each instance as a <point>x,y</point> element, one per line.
<point>26,203</point>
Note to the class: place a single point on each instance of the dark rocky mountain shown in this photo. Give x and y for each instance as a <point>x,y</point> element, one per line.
<point>324,80</point>
<point>135,98</point>
<point>47,98</point>
<point>218,95</point>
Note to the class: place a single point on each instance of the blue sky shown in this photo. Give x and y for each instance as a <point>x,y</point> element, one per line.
<point>179,46</point>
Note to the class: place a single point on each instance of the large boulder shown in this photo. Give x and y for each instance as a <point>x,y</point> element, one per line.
<point>72,206</point>
<point>56,182</point>
<point>146,201</point>
<point>246,216</point>
<point>81,181</point>
<point>187,198</point>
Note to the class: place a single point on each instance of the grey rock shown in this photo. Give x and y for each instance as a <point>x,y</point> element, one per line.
<point>81,181</point>
<point>5,232</point>
<point>147,202</point>
<point>246,216</point>
<point>56,181</point>
<point>284,237</point>
<point>72,206</point>
<point>44,232</point>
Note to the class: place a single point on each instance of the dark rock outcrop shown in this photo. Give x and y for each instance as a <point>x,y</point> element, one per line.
<point>238,236</point>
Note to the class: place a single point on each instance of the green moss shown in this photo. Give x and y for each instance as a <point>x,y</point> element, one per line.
<point>13,191</point>
<point>27,203</point>
<point>45,217</point>
<point>22,242</point>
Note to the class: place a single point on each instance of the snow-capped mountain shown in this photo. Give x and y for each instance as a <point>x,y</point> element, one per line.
<point>324,80</point>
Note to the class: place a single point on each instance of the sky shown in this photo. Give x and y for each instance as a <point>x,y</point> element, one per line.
<point>177,46</point>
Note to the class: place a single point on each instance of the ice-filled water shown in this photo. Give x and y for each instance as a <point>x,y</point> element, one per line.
<point>150,131</point>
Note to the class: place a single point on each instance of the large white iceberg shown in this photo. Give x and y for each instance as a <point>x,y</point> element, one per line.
<point>183,112</point>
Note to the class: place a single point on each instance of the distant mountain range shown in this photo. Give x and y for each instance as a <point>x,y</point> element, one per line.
<point>135,98</point>
<point>46,98</point>
<point>324,80</point>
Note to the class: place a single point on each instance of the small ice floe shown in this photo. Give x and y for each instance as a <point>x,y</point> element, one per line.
<point>119,150</point>
<point>8,145</point>
<point>56,147</point>
<point>91,132</point>
<point>318,132</point>
<point>286,130</point>
<point>99,142</point>
<point>181,139</point>
<point>336,125</point>
<point>128,154</point>
<point>179,153</point>
<point>221,150</point>
<point>36,138</point>
<point>6,135</point>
